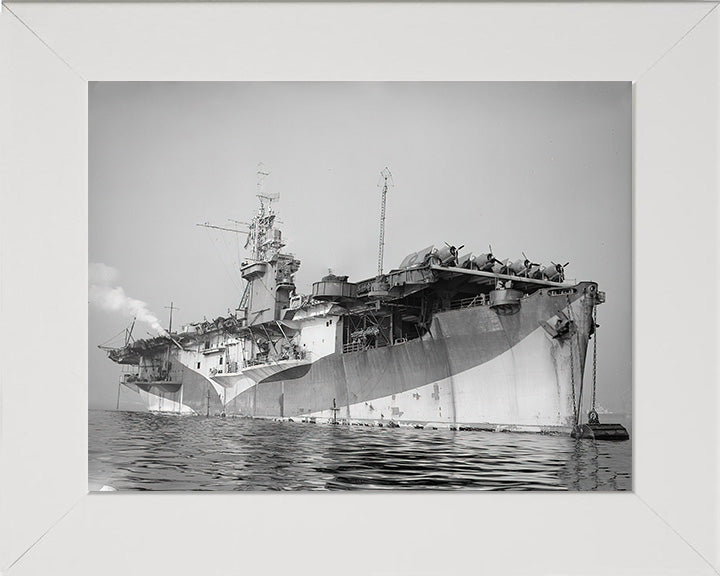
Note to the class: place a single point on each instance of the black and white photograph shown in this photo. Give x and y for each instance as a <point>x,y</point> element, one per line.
<point>283,281</point>
<point>360,286</point>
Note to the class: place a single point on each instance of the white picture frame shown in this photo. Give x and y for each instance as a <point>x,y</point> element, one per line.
<point>49,524</point>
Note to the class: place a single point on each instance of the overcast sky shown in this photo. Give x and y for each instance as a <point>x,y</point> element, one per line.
<point>538,167</point>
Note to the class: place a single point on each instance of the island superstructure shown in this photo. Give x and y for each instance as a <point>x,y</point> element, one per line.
<point>444,339</point>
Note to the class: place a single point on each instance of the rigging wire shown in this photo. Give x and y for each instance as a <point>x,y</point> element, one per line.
<point>224,265</point>
<point>113,337</point>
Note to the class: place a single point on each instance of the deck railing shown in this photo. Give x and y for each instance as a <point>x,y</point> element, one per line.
<point>479,300</point>
<point>353,347</point>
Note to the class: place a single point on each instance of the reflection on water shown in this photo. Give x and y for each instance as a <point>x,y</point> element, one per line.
<point>141,451</point>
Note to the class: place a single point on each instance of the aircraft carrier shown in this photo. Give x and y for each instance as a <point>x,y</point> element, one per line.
<point>444,339</point>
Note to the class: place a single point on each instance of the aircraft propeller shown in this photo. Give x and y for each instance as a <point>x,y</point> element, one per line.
<point>527,262</point>
<point>560,269</point>
<point>491,257</point>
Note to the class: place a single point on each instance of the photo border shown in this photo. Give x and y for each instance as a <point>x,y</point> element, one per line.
<point>48,521</point>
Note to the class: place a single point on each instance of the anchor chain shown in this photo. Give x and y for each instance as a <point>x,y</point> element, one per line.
<point>572,368</point>
<point>593,415</point>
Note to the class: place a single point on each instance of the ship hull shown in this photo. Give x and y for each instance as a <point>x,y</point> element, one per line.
<point>475,368</point>
<point>197,395</point>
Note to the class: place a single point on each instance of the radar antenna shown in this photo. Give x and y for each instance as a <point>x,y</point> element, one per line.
<point>385,175</point>
<point>262,173</point>
<point>262,223</point>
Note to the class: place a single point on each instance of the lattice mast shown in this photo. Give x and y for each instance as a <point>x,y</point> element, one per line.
<point>385,176</point>
<point>262,224</point>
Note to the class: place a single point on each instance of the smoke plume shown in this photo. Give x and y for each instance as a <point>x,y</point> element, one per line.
<point>103,293</point>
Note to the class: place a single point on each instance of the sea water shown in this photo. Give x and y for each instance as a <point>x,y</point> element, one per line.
<point>145,451</point>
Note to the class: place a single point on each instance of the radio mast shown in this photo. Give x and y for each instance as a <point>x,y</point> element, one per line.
<point>385,175</point>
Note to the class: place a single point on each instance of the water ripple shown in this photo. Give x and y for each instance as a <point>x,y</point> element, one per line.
<point>141,451</point>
